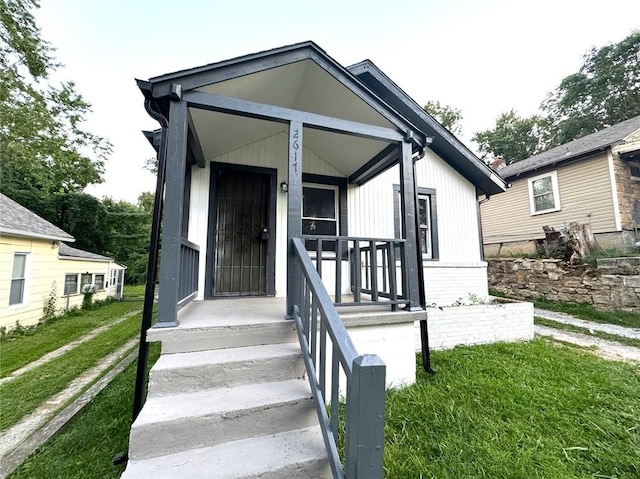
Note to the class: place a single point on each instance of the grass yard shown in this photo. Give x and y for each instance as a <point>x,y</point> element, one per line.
<point>29,390</point>
<point>588,312</point>
<point>18,351</point>
<point>534,410</point>
<point>85,448</point>
<point>586,331</point>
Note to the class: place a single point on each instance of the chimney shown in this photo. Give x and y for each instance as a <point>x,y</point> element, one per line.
<point>497,163</point>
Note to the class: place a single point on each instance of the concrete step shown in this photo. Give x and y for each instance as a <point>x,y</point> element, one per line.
<point>186,421</point>
<point>298,454</point>
<point>200,370</point>
<point>196,336</point>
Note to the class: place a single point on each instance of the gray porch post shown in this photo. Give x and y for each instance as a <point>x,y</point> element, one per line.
<point>294,215</point>
<point>172,215</point>
<point>409,232</point>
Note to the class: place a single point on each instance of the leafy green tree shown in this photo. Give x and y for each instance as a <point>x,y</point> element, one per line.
<point>85,218</point>
<point>605,91</point>
<point>446,115</point>
<point>45,150</point>
<point>128,232</point>
<point>514,138</point>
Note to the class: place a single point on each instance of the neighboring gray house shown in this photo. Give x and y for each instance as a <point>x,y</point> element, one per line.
<point>593,180</point>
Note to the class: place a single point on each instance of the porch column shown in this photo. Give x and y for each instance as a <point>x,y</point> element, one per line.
<point>409,231</point>
<point>172,215</point>
<point>294,215</point>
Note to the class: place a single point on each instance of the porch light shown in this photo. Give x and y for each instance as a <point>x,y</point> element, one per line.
<point>284,187</point>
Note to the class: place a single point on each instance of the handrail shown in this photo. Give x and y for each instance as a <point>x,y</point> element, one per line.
<point>365,379</point>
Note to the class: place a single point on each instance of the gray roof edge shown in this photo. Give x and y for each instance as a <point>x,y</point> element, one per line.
<point>579,148</point>
<point>29,234</point>
<point>367,66</point>
<point>67,252</point>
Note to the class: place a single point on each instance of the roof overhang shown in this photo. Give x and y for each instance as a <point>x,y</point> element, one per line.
<point>247,99</point>
<point>443,143</point>
<point>29,234</point>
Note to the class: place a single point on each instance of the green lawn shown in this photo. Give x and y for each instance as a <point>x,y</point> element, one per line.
<point>533,410</point>
<point>18,351</point>
<point>586,331</point>
<point>29,390</point>
<point>588,312</point>
<point>85,448</point>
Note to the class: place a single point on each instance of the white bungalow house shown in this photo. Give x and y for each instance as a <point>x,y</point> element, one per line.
<point>300,197</point>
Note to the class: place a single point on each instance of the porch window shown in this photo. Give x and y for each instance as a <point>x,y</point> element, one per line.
<point>319,209</point>
<point>428,224</point>
<point>18,279</point>
<point>70,284</point>
<point>544,196</point>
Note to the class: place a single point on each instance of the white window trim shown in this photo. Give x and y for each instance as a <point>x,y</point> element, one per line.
<point>27,269</point>
<point>336,195</point>
<point>64,288</point>
<point>637,165</point>
<point>556,193</point>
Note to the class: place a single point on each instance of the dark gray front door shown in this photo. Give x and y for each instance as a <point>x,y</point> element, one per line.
<point>242,234</point>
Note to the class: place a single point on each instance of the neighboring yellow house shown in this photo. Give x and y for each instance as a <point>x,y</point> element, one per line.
<point>593,180</point>
<point>36,265</point>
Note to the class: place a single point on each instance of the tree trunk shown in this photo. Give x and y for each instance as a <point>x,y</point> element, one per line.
<point>581,241</point>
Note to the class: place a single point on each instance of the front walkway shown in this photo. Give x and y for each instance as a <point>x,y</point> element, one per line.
<point>605,348</point>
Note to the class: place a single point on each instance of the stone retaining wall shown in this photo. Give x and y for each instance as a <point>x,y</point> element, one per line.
<point>613,284</point>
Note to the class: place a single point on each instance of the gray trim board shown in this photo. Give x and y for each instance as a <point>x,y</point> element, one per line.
<point>444,143</point>
<point>294,215</point>
<point>235,106</point>
<point>172,216</point>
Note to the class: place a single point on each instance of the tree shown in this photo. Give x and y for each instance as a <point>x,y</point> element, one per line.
<point>514,138</point>
<point>45,150</point>
<point>448,116</point>
<point>605,91</point>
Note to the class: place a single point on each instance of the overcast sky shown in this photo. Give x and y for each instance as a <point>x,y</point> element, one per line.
<point>483,57</point>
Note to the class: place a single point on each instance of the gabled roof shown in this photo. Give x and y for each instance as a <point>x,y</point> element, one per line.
<point>17,220</point>
<point>67,252</point>
<point>574,150</point>
<point>444,143</point>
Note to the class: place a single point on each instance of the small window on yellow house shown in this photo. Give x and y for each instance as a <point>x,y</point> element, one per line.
<point>18,279</point>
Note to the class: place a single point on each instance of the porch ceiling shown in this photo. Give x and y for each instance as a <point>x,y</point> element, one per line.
<point>301,86</point>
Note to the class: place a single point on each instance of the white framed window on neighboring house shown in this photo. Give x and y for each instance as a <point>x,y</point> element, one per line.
<point>319,209</point>
<point>99,282</point>
<point>634,170</point>
<point>85,279</point>
<point>544,196</point>
<point>18,279</point>
<point>428,220</point>
<point>70,284</point>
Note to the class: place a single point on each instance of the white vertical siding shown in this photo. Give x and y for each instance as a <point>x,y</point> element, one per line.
<point>272,153</point>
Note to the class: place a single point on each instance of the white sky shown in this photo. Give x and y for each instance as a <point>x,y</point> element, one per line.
<point>483,57</point>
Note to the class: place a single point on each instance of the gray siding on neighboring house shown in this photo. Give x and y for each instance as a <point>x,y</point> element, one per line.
<point>585,197</point>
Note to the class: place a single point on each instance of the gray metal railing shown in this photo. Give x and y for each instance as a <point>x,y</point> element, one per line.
<point>377,269</point>
<point>316,321</point>
<point>189,264</point>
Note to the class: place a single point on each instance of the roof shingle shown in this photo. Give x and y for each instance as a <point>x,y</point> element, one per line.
<point>582,146</point>
<point>17,220</point>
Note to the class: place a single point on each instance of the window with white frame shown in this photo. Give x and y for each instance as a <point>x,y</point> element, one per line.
<point>319,209</point>
<point>544,196</point>
<point>85,279</point>
<point>70,284</point>
<point>427,216</point>
<point>18,279</point>
<point>634,170</point>
<point>99,282</point>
